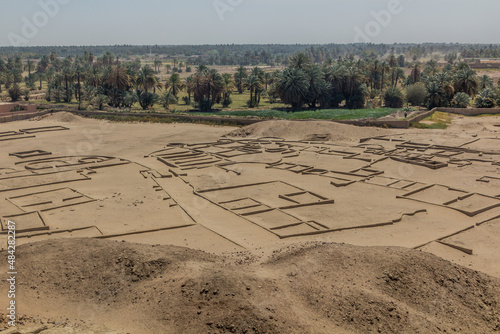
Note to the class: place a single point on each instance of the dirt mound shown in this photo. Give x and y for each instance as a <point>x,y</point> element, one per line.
<point>62,117</point>
<point>316,288</point>
<point>298,130</point>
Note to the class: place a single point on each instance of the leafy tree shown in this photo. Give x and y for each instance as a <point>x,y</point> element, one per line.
<point>416,94</point>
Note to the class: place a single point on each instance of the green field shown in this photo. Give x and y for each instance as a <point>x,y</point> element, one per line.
<point>336,114</point>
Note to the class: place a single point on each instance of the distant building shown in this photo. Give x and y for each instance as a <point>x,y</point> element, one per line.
<point>484,63</point>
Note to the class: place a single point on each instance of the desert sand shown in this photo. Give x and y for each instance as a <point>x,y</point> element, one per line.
<point>278,227</point>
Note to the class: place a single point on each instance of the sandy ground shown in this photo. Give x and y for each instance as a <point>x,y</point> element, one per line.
<point>240,195</point>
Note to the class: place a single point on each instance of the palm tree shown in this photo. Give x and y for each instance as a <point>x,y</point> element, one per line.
<point>415,72</point>
<point>228,86</point>
<point>254,85</point>
<point>80,75</point>
<point>207,87</point>
<point>30,65</point>
<point>118,78</point>
<point>485,81</point>
<point>158,64</point>
<point>119,81</point>
<point>431,67</point>
<point>444,81</point>
<point>175,84</point>
<point>68,77</point>
<point>146,79</point>
<point>434,95</point>
<point>299,61</point>
<point>189,86</point>
<point>268,79</point>
<point>317,84</point>
<point>466,81</point>
<point>292,87</point>
<point>240,77</point>
<point>384,67</point>
<point>94,76</point>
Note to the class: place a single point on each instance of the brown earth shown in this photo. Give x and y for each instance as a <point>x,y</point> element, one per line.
<point>229,273</point>
<point>314,288</point>
<point>293,130</point>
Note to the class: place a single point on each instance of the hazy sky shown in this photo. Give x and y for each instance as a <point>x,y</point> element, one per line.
<point>104,22</point>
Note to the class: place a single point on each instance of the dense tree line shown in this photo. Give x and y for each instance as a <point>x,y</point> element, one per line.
<point>307,81</point>
<point>271,54</point>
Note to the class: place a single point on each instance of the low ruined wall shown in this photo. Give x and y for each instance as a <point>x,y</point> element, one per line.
<point>398,124</point>
<point>8,107</point>
<point>422,116</point>
<point>470,111</point>
<point>194,118</point>
<point>19,116</point>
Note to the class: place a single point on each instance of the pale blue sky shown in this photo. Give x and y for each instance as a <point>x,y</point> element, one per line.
<point>104,22</point>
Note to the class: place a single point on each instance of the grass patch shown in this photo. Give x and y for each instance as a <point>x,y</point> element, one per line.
<point>438,120</point>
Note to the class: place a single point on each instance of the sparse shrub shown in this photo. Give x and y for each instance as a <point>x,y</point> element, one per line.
<point>186,100</point>
<point>26,95</point>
